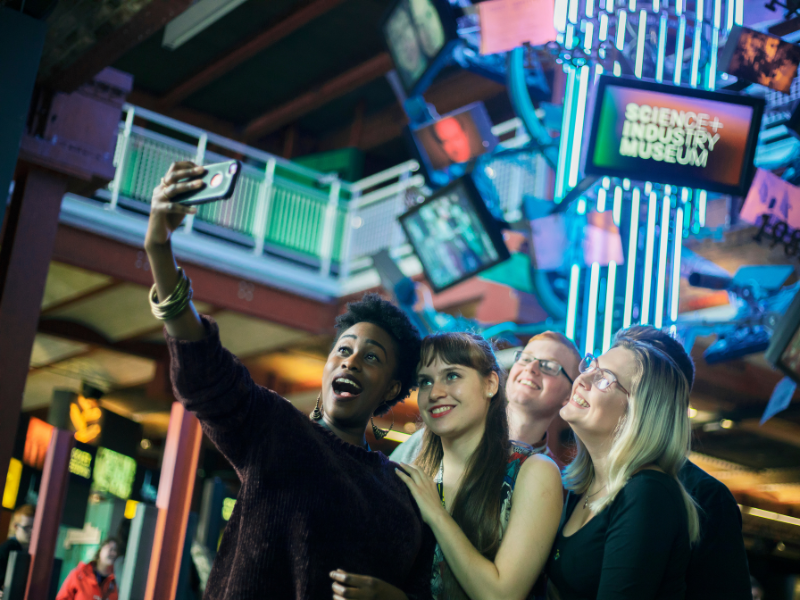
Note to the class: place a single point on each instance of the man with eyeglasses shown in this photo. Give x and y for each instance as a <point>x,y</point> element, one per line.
<point>19,537</point>
<point>539,384</point>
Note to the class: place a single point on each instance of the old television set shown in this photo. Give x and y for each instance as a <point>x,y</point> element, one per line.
<point>419,34</point>
<point>683,137</point>
<point>454,235</point>
<point>760,58</point>
<point>784,346</point>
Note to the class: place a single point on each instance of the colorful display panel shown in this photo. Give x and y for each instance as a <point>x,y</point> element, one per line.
<point>114,473</point>
<point>760,58</point>
<point>454,235</point>
<point>683,137</point>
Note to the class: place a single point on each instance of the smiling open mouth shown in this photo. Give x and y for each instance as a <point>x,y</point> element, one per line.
<point>440,411</point>
<point>346,387</point>
<point>529,383</point>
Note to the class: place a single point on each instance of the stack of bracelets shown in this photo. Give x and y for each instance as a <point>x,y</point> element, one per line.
<point>172,306</point>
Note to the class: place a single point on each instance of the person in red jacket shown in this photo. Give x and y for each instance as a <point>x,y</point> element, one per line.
<point>93,581</point>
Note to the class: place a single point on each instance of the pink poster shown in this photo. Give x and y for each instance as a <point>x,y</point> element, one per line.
<point>508,24</point>
<point>771,195</point>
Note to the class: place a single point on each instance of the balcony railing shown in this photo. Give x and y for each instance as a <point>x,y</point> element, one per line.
<point>287,225</point>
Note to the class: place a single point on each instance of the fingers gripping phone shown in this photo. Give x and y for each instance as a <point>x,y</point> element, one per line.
<point>219,182</point>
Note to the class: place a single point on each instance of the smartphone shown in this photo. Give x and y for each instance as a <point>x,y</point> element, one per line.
<point>219,182</point>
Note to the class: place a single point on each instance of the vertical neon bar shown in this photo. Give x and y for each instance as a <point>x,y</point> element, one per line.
<point>676,265</point>
<point>731,11</point>
<point>712,64</point>
<point>739,19</point>
<point>572,302</point>
<point>573,11</point>
<point>679,49</point>
<point>601,200</point>
<point>662,263</point>
<point>577,132</point>
<point>587,38</point>
<point>648,258</point>
<point>640,43</point>
<point>656,6</point>
<point>561,172</point>
<point>701,208</point>
<point>679,7</point>
<point>590,8</point>
<point>622,19</point>
<point>609,316</point>
<point>594,282</point>
<point>617,214</point>
<point>662,48</point>
<point>631,259</point>
<point>560,15</point>
<point>717,14</point>
<point>698,40</point>
<point>603,32</point>
<point>700,6</point>
<point>609,5</point>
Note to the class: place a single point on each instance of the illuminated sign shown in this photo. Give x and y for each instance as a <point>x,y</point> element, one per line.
<point>227,507</point>
<point>12,484</point>
<point>80,463</point>
<point>673,135</point>
<point>36,443</point>
<point>85,414</point>
<point>114,473</point>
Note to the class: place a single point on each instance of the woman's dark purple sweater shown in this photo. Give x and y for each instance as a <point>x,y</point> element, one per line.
<point>309,503</point>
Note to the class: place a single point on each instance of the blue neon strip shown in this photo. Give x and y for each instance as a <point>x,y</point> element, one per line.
<point>717,14</point>
<point>590,8</point>
<point>572,302</point>
<point>676,266</point>
<point>662,48</point>
<point>561,173</point>
<point>739,19</point>
<point>603,33</point>
<point>656,6</point>
<point>609,316</point>
<point>632,5</point>
<point>701,208</point>
<point>587,38</point>
<point>594,282</point>
<point>560,15</point>
<point>711,82</point>
<point>731,11</point>
<point>570,43</point>
<point>631,259</point>
<point>617,214</point>
<point>617,69</point>
<point>679,49</point>
<point>581,206</point>
<point>662,262</point>
<point>622,19</point>
<point>640,43</point>
<point>573,11</point>
<point>696,44</point>
<point>577,135</point>
<point>700,6</point>
<point>679,7</point>
<point>601,200</point>
<point>648,258</point>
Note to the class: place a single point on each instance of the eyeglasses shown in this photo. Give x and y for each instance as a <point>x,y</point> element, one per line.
<point>603,379</point>
<point>547,367</point>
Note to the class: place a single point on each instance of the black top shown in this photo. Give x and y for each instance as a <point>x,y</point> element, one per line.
<point>6,548</point>
<point>637,548</point>
<point>718,566</point>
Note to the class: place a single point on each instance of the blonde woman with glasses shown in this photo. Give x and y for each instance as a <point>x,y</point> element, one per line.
<point>628,524</point>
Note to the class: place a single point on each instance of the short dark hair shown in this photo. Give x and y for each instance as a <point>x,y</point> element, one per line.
<point>664,342</point>
<point>382,313</point>
<point>106,542</point>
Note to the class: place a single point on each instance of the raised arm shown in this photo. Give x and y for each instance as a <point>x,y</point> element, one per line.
<point>532,527</point>
<point>645,528</point>
<point>165,217</point>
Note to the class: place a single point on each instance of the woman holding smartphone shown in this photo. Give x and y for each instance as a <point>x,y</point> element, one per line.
<point>492,505</point>
<point>313,496</point>
<point>628,524</point>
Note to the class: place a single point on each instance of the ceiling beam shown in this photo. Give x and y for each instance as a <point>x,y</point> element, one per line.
<point>263,40</point>
<point>454,92</point>
<point>77,332</point>
<point>338,86</point>
<point>150,19</point>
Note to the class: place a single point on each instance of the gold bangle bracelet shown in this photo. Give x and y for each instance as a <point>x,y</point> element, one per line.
<point>174,304</point>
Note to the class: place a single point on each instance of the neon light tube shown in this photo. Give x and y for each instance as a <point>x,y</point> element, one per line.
<point>656,6</point>
<point>640,43</point>
<point>679,49</point>
<point>648,258</point>
<point>701,208</point>
<point>631,259</point>
<point>587,39</point>
<point>739,19</point>
<point>662,262</point>
<point>717,14</point>
<point>700,6</point>
<point>601,200</point>
<point>590,8</point>
<point>582,206</point>
<point>572,302</point>
<point>609,5</point>
<point>711,82</point>
<point>698,40</point>
<point>577,134</point>
<point>731,10</point>
<point>676,265</point>
<point>609,316</point>
<point>573,11</point>
<point>560,15</point>
<point>570,43</point>
<point>617,214</point>
<point>561,172</point>
<point>622,18</point>
<point>594,282</point>
<point>662,48</point>
<point>679,7</point>
<point>632,5</point>
<point>603,33</point>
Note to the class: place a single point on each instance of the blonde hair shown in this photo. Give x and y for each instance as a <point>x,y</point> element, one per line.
<point>654,431</point>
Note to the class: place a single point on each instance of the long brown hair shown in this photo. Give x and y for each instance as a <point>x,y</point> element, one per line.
<point>477,506</point>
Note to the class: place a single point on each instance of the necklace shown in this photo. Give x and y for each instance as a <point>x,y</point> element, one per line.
<point>586,500</point>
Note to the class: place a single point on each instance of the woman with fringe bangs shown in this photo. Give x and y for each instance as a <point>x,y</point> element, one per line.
<point>628,523</point>
<point>492,504</point>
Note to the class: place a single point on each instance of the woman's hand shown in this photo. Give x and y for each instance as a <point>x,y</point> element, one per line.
<point>166,215</point>
<point>347,585</point>
<point>424,491</point>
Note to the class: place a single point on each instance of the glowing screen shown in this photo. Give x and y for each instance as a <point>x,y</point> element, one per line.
<point>114,473</point>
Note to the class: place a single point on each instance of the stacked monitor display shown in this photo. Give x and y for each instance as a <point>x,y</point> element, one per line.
<point>679,136</point>
<point>454,235</point>
<point>760,58</point>
<point>784,347</point>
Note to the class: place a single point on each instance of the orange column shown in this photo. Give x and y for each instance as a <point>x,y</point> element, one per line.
<point>52,494</point>
<point>178,472</point>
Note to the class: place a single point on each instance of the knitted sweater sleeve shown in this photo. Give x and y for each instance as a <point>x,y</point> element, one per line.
<point>418,584</point>
<point>213,384</point>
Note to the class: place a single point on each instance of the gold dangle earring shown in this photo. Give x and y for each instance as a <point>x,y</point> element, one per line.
<point>378,432</point>
<point>316,414</point>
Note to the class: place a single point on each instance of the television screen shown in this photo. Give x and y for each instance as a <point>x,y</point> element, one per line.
<point>784,347</point>
<point>114,473</point>
<point>760,58</point>
<point>456,138</point>
<point>417,32</point>
<point>558,241</point>
<point>680,136</point>
<point>454,235</point>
